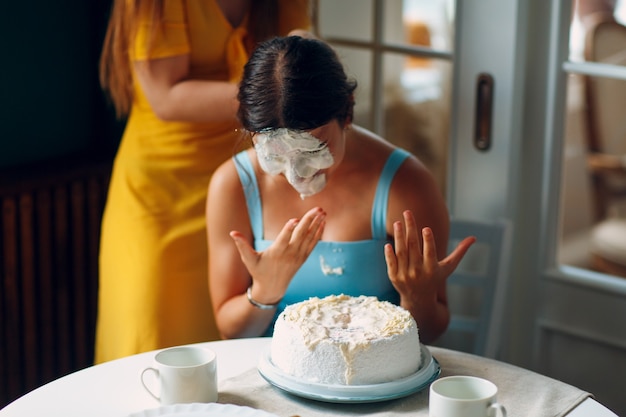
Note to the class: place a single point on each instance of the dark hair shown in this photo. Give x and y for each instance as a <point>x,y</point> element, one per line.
<point>294,82</point>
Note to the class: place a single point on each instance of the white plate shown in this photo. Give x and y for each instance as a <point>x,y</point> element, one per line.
<point>202,410</point>
<point>428,371</point>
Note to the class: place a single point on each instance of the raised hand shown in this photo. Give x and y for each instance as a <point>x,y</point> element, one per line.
<point>272,269</point>
<point>415,270</point>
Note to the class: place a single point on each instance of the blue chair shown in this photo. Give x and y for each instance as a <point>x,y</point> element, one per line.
<point>477,288</point>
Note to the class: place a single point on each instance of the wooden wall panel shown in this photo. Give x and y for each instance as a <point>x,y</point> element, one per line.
<point>49,240</point>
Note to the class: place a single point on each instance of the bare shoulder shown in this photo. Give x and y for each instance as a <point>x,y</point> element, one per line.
<point>377,151</point>
<point>414,173</point>
<point>415,184</point>
<point>225,180</point>
<point>368,150</point>
<point>415,188</point>
<point>226,204</point>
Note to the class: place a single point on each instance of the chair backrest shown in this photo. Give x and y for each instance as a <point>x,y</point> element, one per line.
<point>477,288</point>
<point>605,42</point>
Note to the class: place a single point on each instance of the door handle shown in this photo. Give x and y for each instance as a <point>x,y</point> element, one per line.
<point>484,111</point>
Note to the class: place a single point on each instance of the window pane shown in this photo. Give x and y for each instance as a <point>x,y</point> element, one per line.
<point>358,64</point>
<point>593,188</point>
<point>350,19</point>
<point>427,23</point>
<point>416,97</point>
<point>588,13</point>
<point>414,87</point>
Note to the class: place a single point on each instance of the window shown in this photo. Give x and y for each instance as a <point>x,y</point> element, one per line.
<point>593,225</point>
<point>400,53</point>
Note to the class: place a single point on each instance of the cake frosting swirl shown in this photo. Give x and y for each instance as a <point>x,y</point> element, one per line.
<point>346,340</point>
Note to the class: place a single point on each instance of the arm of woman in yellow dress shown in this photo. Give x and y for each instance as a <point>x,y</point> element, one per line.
<point>174,96</point>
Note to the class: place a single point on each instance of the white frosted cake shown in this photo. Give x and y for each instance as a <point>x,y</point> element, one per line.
<point>346,340</point>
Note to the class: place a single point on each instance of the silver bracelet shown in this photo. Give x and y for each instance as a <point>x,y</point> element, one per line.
<point>257,304</point>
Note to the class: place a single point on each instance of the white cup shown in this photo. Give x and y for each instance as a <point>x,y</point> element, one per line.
<point>184,374</point>
<point>464,396</point>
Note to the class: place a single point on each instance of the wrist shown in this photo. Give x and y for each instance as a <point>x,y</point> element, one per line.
<point>258,304</point>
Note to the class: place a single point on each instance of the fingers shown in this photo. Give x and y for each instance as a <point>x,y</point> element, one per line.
<point>390,259</point>
<point>246,251</point>
<point>407,242</point>
<point>299,236</point>
<point>401,250</point>
<point>430,259</point>
<point>412,234</point>
<point>309,228</point>
<point>459,252</point>
<point>412,261</point>
<point>284,237</point>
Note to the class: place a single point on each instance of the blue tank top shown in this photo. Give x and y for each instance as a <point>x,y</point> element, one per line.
<point>351,268</point>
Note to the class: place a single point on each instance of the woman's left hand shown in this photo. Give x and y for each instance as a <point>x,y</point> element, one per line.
<point>415,271</point>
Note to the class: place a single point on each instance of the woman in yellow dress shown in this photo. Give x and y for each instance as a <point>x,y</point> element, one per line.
<point>171,67</point>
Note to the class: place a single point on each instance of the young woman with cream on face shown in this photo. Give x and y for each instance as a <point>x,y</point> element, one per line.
<point>320,206</point>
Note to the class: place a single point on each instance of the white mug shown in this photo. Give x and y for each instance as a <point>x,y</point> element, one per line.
<point>464,396</point>
<point>185,375</point>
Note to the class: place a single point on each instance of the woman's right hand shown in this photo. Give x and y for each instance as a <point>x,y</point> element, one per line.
<point>272,269</point>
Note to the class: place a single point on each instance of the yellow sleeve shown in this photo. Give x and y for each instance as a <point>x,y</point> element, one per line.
<point>293,14</point>
<point>154,40</point>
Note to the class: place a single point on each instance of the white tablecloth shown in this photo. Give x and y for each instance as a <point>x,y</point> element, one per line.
<point>113,389</point>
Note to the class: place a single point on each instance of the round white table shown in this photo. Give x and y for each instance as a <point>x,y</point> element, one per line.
<point>113,389</point>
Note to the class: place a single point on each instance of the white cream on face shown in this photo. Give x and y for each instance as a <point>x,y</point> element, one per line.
<point>298,155</point>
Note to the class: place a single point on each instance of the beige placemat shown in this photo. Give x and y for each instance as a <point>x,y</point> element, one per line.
<point>524,393</point>
<point>252,390</point>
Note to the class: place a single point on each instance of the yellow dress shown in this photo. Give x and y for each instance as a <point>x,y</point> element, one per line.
<point>153,255</point>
